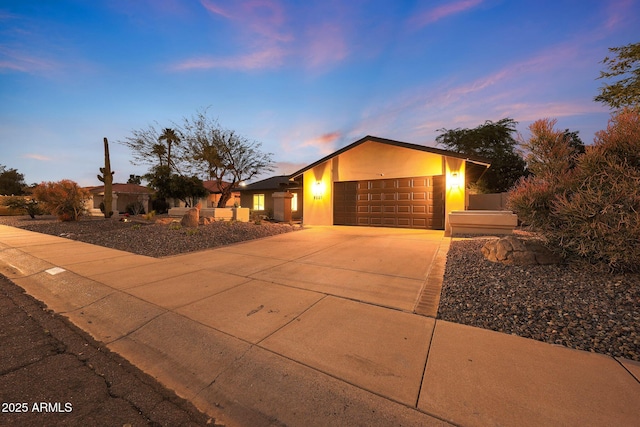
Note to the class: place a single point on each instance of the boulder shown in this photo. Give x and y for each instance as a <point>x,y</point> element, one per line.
<point>512,250</point>
<point>191,218</point>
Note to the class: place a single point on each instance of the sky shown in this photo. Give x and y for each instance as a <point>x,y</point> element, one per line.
<point>302,78</point>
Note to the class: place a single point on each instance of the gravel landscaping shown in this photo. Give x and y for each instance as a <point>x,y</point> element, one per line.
<point>151,239</point>
<point>576,306</point>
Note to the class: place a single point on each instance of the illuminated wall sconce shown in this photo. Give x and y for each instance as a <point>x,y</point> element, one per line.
<point>318,190</point>
<point>455,180</point>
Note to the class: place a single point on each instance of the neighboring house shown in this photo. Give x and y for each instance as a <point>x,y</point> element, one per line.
<point>381,182</point>
<point>258,196</point>
<point>123,195</point>
<point>211,201</point>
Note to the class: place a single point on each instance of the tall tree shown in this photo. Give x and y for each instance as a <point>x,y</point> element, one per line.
<point>171,138</point>
<point>222,155</point>
<point>626,66</point>
<point>494,141</point>
<point>11,182</point>
<point>154,148</point>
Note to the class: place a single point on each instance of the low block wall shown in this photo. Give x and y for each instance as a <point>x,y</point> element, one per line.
<point>482,222</point>
<point>226,214</point>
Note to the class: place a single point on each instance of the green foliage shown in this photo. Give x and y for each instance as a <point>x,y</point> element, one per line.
<point>626,65</point>
<point>65,199</point>
<point>493,141</point>
<point>593,210</point>
<point>11,182</point>
<point>30,206</point>
<point>134,179</point>
<point>189,190</point>
<point>160,206</point>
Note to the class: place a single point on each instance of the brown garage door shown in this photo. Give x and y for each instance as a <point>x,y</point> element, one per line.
<point>416,202</point>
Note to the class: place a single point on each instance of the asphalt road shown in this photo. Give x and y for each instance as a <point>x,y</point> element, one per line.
<point>52,373</point>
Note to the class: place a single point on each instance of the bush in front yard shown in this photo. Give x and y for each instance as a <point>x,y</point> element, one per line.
<point>23,204</point>
<point>65,199</point>
<point>593,210</point>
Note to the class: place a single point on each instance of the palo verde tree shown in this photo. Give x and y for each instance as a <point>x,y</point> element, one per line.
<point>222,155</point>
<point>494,141</point>
<point>626,66</point>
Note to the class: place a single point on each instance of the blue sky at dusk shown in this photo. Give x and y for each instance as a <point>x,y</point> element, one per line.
<point>304,78</point>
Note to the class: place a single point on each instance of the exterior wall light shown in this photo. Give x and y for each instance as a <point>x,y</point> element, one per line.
<point>454,180</point>
<point>318,190</point>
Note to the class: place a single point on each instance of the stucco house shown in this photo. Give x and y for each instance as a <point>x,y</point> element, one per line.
<point>258,196</point>
<point>123,195</point>
<point>382,182</point>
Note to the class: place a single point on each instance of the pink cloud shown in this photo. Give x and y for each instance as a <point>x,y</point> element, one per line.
<point>265,34</point>
<point>618,12</point>
<point>326,44</point>
<point>215,9</point>
<point>268,58</point>
<point>324,143</point>
<point>18,61</point>
<point>37,157</point>
<point>434,15</point>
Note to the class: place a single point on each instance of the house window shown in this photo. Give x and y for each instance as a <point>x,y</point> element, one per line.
<point>294,202</point>
<point>258,202</point>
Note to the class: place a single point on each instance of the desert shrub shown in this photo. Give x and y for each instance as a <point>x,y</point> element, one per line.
<point>65,199</point>
<point>592,211</point>
<point>161,206</point>
<point>23,205</point>
<point>135,208</point>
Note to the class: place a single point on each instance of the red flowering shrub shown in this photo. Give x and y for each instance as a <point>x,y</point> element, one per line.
<point>65,199</point>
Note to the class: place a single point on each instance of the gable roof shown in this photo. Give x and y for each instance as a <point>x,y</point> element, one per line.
<point>280,182</point>
<point>474,159</point>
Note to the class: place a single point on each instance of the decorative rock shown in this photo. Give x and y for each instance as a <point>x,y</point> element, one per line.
<point>511,250</point>
<point>191,218</point>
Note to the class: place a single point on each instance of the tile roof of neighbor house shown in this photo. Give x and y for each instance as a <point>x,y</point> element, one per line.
<point>123,188</point>
<point>475,159</point>
<point>273,183</point>
<point>213,187</point>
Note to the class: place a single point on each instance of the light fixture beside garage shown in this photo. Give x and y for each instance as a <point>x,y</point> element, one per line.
<point>454,180</point>
<point>318,190</point>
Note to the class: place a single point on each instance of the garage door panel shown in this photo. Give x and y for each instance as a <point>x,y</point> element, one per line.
<point>416,202</point>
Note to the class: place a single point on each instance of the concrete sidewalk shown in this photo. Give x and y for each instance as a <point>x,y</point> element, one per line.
<point>317,327</point>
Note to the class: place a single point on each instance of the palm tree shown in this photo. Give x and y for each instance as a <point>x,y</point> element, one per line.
<point>171,137</point>
<point>160,151</point>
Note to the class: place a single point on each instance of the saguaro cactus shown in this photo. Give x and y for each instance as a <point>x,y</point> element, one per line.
<point>107,178</point>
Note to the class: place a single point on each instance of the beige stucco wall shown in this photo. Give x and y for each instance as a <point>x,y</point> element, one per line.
<point>373,160</point>
<point>455,189</point>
